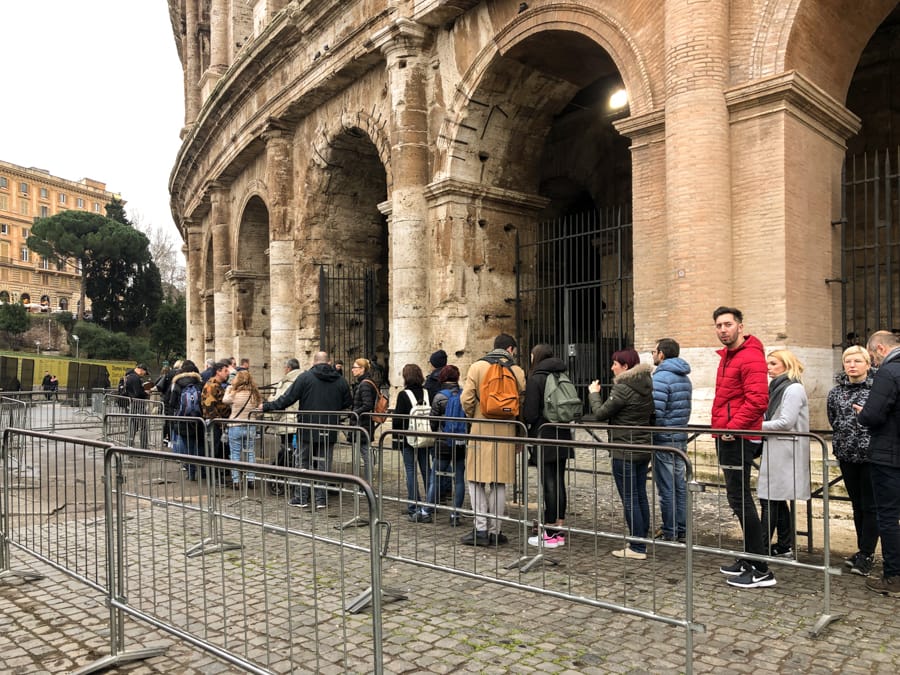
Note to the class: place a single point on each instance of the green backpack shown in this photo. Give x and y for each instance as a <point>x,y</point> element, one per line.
<point>561,401</point>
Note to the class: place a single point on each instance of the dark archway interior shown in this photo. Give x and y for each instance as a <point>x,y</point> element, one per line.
<point>870,235</point>
<point>575,285</point>
<point>353,248</point>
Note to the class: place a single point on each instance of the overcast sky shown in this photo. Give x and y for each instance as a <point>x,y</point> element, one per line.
<point>93,89</point>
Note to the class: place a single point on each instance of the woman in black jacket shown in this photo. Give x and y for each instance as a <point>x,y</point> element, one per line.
<point>413,393</point>
<point>630,403</point>
<point>551,458</point>
<point>365,393</point>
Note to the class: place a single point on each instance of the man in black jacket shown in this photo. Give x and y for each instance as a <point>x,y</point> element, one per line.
<point>134,389</point>
<point>321,388</point>
<point>881,415</point>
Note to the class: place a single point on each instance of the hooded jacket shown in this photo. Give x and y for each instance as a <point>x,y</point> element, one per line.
<point>321,387</point>
<point>742,387</point>
<point>630,403</point>
<point>672,393</point>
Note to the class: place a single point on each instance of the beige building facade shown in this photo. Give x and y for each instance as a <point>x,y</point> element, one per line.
<point>451,149</point>
<point>26,194</point>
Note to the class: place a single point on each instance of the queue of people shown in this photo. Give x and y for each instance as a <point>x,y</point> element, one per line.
<point>754,392</point>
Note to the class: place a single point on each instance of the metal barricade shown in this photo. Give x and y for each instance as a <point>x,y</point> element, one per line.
<point>52,495</point>
<point>130,422</point>
<point>275,601</point>
<point>581,571</point>
<point>716,529</point>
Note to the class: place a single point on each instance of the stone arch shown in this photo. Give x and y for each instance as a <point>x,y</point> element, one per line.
<point>352,123</point>
<point>790,37</point>
<point>250,284</point>
<point>518,83</point>
<point>345,235</point>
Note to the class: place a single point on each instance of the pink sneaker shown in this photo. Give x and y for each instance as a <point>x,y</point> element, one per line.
<point>548,541</point>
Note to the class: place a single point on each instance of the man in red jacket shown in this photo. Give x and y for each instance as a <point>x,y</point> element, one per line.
<point>742,395</point>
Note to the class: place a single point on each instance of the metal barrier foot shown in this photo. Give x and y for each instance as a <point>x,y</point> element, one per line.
<point>28,576</point>
<point>526,562</point>
<point>355,521</point>
<point>823,622</point>
<point>362,601</point>
<point>211,546</point>
<point>108,662</point>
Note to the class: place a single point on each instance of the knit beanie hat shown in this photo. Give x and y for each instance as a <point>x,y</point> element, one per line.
<point>448,374</point>
<point>438,359</point>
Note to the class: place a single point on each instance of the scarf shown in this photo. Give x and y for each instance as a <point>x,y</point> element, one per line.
<point>776,393</point>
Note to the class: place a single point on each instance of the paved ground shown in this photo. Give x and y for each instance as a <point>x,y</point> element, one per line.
<point>453,623</point>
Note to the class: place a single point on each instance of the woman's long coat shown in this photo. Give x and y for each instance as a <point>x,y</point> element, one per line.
<point>489,462</point>
<point>784,465</point>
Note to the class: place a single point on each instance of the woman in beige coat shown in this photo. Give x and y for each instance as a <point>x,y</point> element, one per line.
<point>490,465</point>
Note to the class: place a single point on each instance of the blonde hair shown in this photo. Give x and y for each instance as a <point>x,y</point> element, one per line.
<point>365,364</point>
<point>857,349</point>
<point>244,380</point>
<point>792,366</point>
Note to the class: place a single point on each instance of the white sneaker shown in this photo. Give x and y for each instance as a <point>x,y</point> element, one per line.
<point>628,553</point>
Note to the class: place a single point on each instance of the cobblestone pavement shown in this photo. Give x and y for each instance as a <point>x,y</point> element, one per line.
<point>453,623</point>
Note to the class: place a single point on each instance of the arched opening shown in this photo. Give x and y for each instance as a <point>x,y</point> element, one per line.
<point>4,297</point>
<point>870,228</point>
<point>347,235</point>
<point>543,124</point>
<point>249,277</point>
<point>209,305</point>
<point>63,305</point>
<point>25,298</point>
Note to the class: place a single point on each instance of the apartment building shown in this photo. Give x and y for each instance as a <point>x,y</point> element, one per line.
<point>27,194</point>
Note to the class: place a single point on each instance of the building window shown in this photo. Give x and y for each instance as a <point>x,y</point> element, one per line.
<point>23,207</point>
<point>25,233</point>
<point>63,304</point>
<point>4,183</point>
<point>23,188</point>
<point>60,264</point>
<point>62,198</point>
<point>45,211</point>
<point>4,228</point>
<point>4,204</point>
<point>24,253</point>
<point>79,202</point>
<point>45,193</point>
<point>45,264</point>
<point>96,207</point>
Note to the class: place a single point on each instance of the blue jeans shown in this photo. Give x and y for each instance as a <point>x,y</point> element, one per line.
<point>412,457</point>
<point>669,472</point>
<point>631,481</point>
<point>886,490</point>
<point>187,441</point>
<point>444,465</point>
<point>318,457</point>
<point>241,439</point>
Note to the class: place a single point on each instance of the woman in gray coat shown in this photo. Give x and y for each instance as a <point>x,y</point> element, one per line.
<point>784,466</point>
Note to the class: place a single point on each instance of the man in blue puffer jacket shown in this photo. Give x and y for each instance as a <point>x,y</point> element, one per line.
<point>672,392</point>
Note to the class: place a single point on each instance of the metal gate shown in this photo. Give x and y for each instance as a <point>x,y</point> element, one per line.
<point>347,312</point>
<point>575,290</point>
<point>870,245</point>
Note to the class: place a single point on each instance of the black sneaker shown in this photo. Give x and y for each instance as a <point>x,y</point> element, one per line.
<point>851,561</point>
<point>753,578</point>
<point>889,586</point>
<point>498,539</point>
<point>476,538</point>
<point>863,565</point>
<point>736,568</point>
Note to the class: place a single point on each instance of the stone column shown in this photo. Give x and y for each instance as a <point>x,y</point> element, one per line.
<point>218,47</point>
<point>654,279</point>
<point>193,253</point>
<point>698,254</point>
<point>401,43</point>
<point>191,61</point>
<point>219,219</point>
<point>789,139</point>
<point>280,184</point>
